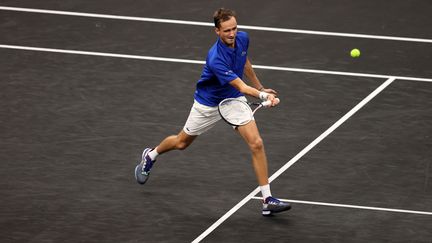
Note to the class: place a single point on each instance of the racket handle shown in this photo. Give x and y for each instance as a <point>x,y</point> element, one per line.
<point>267,103</point>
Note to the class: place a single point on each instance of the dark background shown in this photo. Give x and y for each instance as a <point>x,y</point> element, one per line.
<point>73,126</point>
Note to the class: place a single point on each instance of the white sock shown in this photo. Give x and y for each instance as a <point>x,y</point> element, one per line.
<point>265,191</point>
<point>153,154</point>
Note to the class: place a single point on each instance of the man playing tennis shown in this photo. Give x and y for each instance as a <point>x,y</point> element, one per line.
<point>221,78</point>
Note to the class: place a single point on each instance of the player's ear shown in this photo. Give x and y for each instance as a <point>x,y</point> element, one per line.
<point>217,30</point>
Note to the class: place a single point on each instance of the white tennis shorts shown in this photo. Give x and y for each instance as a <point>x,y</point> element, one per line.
<point>202,118</point>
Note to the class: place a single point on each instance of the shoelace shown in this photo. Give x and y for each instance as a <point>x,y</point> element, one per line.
<point>273,201</point>
<point>147,165</point>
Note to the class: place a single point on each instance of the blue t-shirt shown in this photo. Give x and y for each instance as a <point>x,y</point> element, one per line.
<point>223,65</point>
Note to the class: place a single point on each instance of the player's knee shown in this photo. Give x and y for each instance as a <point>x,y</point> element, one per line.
<point>257,144</point>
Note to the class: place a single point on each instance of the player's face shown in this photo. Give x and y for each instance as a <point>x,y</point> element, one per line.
<point>228,31</point>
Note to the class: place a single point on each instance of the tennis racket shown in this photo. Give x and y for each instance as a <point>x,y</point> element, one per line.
<point>237,112</point>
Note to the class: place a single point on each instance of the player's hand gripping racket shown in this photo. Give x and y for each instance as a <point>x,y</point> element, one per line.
<point>237,112</point>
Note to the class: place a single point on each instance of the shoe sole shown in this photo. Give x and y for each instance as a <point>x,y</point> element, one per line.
<point>136,175</point>
<point>271,212</point>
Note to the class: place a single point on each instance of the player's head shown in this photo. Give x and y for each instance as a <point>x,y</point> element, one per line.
<point>222,15</point>
<point>226,25</point>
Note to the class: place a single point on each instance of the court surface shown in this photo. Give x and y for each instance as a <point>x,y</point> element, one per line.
<point>85,90</point>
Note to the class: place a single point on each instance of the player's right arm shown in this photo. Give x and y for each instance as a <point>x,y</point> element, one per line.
<point>248,90</point>
<point>226,75</point>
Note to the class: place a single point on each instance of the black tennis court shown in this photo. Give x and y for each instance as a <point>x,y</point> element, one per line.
<point>82,95</point>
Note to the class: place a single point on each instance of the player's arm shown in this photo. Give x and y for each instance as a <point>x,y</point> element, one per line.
<point>251,91</point>
<point>253,79</point>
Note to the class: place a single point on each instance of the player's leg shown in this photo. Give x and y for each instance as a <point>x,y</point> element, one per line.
<point>148,158</point>
<point>201,119</point>
<point>180,141</point>
<point>174,142</point>
<point>251,135</point>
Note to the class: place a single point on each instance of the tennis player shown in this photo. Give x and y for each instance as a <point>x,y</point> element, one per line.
<point>222,77</point>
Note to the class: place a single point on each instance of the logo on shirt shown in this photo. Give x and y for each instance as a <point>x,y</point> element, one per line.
<point>229,72</point>
<point>243,53</point>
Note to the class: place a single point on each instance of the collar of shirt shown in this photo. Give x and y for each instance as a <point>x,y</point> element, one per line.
<point>227,48</point>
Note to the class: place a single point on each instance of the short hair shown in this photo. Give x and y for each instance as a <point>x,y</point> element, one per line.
<point>222,15</point>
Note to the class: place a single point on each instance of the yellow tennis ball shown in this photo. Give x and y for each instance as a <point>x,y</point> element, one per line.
<point>355,52</point>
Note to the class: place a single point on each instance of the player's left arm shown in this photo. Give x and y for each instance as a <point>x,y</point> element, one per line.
<point>251,76</point>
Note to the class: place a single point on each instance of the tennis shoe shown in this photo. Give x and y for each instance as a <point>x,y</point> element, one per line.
<point>273,205</point>
<point>142,170</point>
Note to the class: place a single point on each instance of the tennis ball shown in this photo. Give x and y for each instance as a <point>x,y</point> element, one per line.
<point>355,52</point>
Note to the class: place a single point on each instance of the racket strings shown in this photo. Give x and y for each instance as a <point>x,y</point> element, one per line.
<point>235,112</point>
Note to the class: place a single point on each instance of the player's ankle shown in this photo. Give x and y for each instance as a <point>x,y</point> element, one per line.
<point>153,154</point>
<point>265,191</point>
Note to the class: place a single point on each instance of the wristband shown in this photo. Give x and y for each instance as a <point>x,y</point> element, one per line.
<point>263,95</point>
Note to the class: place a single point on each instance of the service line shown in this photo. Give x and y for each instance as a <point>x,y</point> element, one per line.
<point>201,62</point>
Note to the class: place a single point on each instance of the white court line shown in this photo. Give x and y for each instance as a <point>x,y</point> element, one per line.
<point>295,158</point>
<point>196,23</point>
<point>101,54</point>
<point>178,60</point>
<point>394,210</point>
